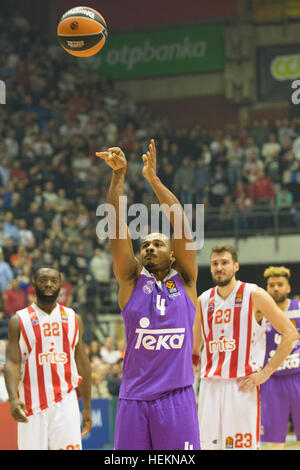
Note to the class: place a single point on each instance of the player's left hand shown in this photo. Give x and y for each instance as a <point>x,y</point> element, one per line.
<point>249,383</point>
<point>86,422</point>
<point>149,159</point>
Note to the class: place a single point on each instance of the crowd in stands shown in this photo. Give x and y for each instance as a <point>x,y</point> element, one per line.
<point>59,111</point>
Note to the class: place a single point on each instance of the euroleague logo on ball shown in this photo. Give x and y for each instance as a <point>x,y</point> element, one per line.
<point>82,31</point>
<point>74,25</point>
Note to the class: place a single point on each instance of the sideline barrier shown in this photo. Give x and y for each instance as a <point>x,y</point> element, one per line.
<point>8,429</point>
<point>101,435</point>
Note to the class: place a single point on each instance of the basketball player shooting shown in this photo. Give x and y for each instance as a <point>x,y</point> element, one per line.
<point>231,326</point>
<point>45,362</point>
<point>157,297</point>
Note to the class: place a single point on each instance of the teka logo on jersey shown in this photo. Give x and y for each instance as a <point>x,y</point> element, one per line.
<point>158,339</point>
<point>53,357</point>
<point>222,345</point>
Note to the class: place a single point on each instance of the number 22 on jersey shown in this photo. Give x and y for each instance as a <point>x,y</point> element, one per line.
<point>51,329</point>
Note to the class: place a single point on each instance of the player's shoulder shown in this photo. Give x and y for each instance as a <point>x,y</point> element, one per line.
<point>204,295</point>
<point>21,313</point>
<point>68,310</point>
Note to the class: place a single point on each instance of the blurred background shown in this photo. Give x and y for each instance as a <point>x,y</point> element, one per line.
<point>211,82</point>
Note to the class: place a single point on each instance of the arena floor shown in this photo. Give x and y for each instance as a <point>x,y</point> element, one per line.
<point>291,443</point>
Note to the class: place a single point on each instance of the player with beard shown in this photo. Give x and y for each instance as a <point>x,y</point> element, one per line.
<point>45,363</point>
<point>231,328</point>
<point>280,395</point>
<point>157,297</point>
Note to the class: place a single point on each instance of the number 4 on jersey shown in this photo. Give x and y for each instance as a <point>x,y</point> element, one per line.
<point>160,304</point>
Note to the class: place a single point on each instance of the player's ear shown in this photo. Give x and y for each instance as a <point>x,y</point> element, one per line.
<point>236,266</point>
<point>172,257</point>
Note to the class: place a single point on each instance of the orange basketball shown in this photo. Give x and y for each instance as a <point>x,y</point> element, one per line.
<point>82,31</point>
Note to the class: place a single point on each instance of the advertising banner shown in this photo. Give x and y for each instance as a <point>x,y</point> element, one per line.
<point>277,68</point>
<point>99,436</point>
<point>165,52</point>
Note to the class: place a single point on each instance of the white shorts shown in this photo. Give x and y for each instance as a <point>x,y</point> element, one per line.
<point>56,428</point>
<point>228,417</point>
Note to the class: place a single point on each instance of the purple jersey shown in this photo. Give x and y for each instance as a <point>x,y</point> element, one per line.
<point>291,364</point>
<point>158,319</point>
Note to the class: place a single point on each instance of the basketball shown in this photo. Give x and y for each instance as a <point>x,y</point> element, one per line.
<point>82,31</point>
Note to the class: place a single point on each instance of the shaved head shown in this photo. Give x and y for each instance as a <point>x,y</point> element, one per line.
<point>156,252</point>
<point>158,236</point>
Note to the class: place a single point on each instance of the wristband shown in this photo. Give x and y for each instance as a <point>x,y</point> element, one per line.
<point>196,359</point>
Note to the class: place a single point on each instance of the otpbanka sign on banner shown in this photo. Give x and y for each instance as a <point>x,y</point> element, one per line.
<point>163,52</point>
<point>278,67</point>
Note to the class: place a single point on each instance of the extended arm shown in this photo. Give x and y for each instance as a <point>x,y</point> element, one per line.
<point>182,240</point>
<point>125,263</point>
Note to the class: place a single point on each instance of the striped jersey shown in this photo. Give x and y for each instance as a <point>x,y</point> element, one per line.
<point>47,343</point>
<point>234,342</point>
<point>291,364</point>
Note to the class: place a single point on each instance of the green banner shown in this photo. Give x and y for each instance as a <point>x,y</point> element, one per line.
<point>167,52</point>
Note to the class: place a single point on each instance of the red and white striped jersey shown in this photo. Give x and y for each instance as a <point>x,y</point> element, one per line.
<point>234,343</point>
<point>47,344</point>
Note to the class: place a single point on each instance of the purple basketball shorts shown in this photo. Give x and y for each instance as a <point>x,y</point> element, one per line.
<point>280,399</point>
<point>167,423</point>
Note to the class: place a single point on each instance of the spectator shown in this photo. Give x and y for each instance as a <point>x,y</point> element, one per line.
<point>250,149</point>
<point>201,180</point>
<point>284,203</point>
<point>26,237</point>
<point>10,227</point>
<point>182,181</point>
<point>270,147</point>
<point>6,273</point>
<point>14,298</point>
<point>17,172</point>
<point>218,186</point>
<point>99,382</point>
<point>252,167</point>
<point>4,171</point>
<point>114,378</point>
<point>71,233</point>
<point>100,266</point>
<point>291,175</point>
<point>227,213</point>
<point>243,205</point>
<point>65,293</point>
<point>4,236</point>
<point>38,230</point>
<point>296,148</point>
<point>273,168</point>
<point>263,193</point>
<point>65,258</point>
<point>17,206</point>
<point>108,352</point>
<point>18,259</point>
<point>94,353</point>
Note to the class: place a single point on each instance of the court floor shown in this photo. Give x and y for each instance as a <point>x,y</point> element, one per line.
<point>290,444</point>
